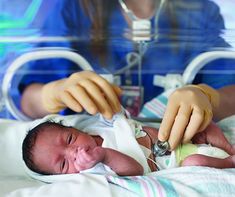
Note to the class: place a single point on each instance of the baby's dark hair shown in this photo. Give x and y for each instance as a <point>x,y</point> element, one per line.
<point>29,143</point>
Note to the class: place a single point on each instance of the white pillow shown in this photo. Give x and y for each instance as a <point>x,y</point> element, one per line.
<point>12,133</point>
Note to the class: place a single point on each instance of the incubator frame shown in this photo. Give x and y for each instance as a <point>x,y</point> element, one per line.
<point>41,53</point>
<point>168,82</point>
<point>171,81</point>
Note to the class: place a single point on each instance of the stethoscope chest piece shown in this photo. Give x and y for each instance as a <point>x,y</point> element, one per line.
<point>160,148</point>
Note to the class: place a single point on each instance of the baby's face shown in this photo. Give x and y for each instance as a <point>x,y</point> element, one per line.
<point>56,150</point>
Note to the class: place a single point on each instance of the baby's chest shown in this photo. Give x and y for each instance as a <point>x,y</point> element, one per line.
<point>146,136</point>
<point>145,141</point>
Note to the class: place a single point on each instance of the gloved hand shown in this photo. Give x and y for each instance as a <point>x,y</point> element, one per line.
<point>83,90</point>
<point>189,110</point>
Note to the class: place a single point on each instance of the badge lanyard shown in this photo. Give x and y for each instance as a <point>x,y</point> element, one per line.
<point>141,27</point>
<point>141,34</point>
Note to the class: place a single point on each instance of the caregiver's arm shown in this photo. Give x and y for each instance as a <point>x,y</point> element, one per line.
<point>81,91</point>
<point>31,101</point>
<point>227,103</point>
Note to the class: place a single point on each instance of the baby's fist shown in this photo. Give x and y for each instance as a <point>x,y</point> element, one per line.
<point>87,158</point>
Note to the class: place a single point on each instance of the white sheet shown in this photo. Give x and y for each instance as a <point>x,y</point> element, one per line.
<point>14,181</point>
<point>14,176</point>
<point>85,185</point>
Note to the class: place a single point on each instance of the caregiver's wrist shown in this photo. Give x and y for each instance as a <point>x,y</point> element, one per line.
<point>212,94</point>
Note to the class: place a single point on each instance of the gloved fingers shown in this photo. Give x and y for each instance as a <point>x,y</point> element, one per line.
<point>80,96</point>
<point>117,89</point>
<point>167,121</point>
<point>71,102</point>
<point>97,96</point>
<point>109,92</point>
<point>87,74</point>
<point>179,126</point>
<point>196,120</point>
<point>207,119</point>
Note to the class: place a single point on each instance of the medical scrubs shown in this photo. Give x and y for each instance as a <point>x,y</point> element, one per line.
<point>199,29</point>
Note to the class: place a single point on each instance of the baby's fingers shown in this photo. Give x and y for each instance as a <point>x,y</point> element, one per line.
<point>97,96</point>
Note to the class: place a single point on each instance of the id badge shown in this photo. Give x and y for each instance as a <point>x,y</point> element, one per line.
<point>131,99</point>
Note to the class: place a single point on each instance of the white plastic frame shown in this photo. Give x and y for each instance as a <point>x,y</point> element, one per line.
<point>46,53</point>
<point>176,80</point>
<point>203,59</point>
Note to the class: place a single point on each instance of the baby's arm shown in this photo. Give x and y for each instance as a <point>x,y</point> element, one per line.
<point>203,160</point>
<point>120,163</point>
<point>214,136</point>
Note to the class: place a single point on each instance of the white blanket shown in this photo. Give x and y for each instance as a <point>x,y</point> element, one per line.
<point>14,176</point>
<point>186,181</point>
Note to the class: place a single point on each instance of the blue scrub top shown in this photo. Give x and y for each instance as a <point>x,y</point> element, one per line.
<point>199,28</point>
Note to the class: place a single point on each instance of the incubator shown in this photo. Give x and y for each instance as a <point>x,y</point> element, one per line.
<point>182,42</point>
<point>146,57</point>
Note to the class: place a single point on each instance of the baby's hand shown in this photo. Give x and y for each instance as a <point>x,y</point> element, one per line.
<point>87,158</point>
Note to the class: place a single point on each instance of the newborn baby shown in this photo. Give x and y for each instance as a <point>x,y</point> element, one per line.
<point>122,146</point>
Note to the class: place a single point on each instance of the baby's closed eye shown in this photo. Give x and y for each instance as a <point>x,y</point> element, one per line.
<point>70,138</point>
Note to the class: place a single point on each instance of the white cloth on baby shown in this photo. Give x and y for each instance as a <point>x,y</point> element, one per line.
<point>119,134</point>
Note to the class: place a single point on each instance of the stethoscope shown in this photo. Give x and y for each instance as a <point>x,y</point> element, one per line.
<point>141,33</point>
<point>141,27</point>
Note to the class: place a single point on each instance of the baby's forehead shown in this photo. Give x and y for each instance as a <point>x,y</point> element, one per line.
<point>54,127</point>
<point>58,128</point>
<point>49,134</point>
<point>51,129</point>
